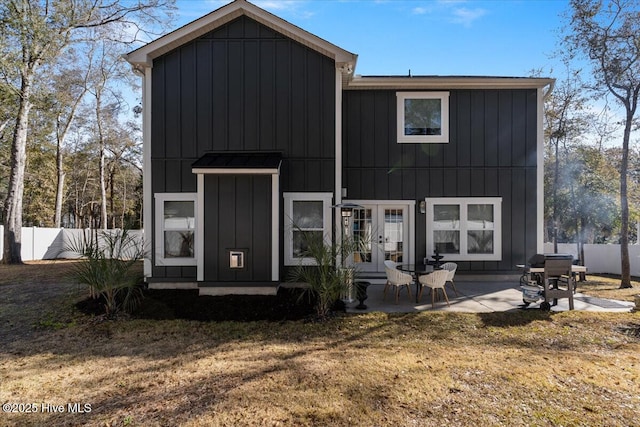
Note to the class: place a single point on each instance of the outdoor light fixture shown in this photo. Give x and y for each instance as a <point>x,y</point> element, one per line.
<point>346,214</point>
<point>423,207</point>
<point>346,211</point>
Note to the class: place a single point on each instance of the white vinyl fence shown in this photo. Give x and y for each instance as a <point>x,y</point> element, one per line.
<point>601,258</point>
<point>52,243</point>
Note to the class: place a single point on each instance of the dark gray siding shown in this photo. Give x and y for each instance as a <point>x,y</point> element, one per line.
<point>491,153</point>
<point>238,217</point>
<point>242,87</point>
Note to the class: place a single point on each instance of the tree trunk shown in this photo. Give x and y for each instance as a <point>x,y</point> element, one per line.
<point>13,202</point>
<point>581,242</point>
<point>556,180</point>
<point>103,189</point>
<point>112,208</point>
<point>625,281</point>
<point>59,186</point>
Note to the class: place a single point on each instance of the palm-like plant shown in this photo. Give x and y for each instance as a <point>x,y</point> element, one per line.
<point>107,260</point>
<point>327,281</point>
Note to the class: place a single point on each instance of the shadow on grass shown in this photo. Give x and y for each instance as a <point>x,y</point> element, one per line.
<point>516,317</point>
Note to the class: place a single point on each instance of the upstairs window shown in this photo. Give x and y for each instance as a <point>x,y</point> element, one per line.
<point>423,117</point>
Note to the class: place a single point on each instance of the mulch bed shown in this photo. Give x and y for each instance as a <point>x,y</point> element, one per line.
<point>288,304</point>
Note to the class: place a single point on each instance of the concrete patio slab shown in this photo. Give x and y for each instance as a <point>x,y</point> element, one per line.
<point>477,297</point>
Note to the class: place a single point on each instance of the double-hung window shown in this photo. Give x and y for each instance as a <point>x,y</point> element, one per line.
<point>307,218</point>
<point>465,229</point>
<point>423,117</point>
<point>175,228</point>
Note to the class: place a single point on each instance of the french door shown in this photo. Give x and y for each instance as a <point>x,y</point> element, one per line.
<point>383,231</point>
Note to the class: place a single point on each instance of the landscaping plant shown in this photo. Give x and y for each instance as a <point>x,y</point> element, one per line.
<point>107,259</point>
<point>327,279</point>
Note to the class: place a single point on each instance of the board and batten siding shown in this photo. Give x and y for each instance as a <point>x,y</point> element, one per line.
<point>491,153</point>
<point>242,87</point>
<point>238,215</point>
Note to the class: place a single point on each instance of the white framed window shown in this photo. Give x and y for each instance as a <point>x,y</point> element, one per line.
<point>306,214</point>
<point>423,117</point>
<point>465,229</point>
<point>175,228</point>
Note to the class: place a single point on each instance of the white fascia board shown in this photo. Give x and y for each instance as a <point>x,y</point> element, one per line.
<point>540,172</point>
<point>237,171</point>
<point>147,194</point>
<point>447,82</point>
<point>144,55</point>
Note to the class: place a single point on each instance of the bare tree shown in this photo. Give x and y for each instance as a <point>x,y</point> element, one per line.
<point>607,33</point>
<point>70,85</point>
<point>566,122</point>
<point>34,34</point>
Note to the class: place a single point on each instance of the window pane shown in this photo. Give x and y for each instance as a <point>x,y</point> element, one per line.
<point>480,242</point>
<point>179,215</point>
<point>480,217</point>
<point>393,238</point>
<point>362,234</point>
<point>307,214</point>
<point>178,244</point>
<point>302,240</point>
<point>447,242</point>
<point>422,117</point>
<point>446,217</point>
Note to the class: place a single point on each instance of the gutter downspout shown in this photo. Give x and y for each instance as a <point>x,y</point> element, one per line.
<point>147,196</point>
<point>338,143</point>
<point>542,97</point>
<point>341,69</point>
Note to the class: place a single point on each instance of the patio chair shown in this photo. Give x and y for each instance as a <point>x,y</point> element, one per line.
<point>396,278</point>
<point>434,281</point>
<point>451,267</point>
<point>388,264</point>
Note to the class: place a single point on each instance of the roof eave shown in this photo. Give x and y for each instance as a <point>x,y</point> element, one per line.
<point>448,82</point>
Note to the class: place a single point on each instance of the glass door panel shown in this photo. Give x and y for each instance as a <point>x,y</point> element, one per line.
<point>363,236</point>
<point>380,231</point>
<point>393,232</point>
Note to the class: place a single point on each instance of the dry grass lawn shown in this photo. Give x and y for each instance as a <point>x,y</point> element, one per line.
<point>525,368</point>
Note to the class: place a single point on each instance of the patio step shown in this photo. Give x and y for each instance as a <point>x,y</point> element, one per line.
<point>220,289</point>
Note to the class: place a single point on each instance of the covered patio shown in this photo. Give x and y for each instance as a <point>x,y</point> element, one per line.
<point>476,296</point>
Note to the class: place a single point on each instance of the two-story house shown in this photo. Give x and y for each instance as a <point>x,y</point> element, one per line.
<point>254,128</point>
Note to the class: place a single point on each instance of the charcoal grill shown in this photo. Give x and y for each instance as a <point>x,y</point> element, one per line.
<point>551,283</point>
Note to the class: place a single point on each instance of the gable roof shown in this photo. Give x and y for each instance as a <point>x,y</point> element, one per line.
<point>143,57</point>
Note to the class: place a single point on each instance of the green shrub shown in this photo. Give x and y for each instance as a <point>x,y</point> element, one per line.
<point>107,261</point>
<point>327,281</point>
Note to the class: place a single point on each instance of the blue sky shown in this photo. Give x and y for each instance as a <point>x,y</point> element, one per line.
<point>428,37</point>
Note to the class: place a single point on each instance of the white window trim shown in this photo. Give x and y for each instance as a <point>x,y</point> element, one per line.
<point>463,202</point>
<point>420,139</point>
<point>289,198</point>
<point>160,198</point>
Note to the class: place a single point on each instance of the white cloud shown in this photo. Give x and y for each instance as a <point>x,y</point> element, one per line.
<point>465,16</point>
<point>419,10</point>
<point>278,4</point>
<point>292,6</point>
